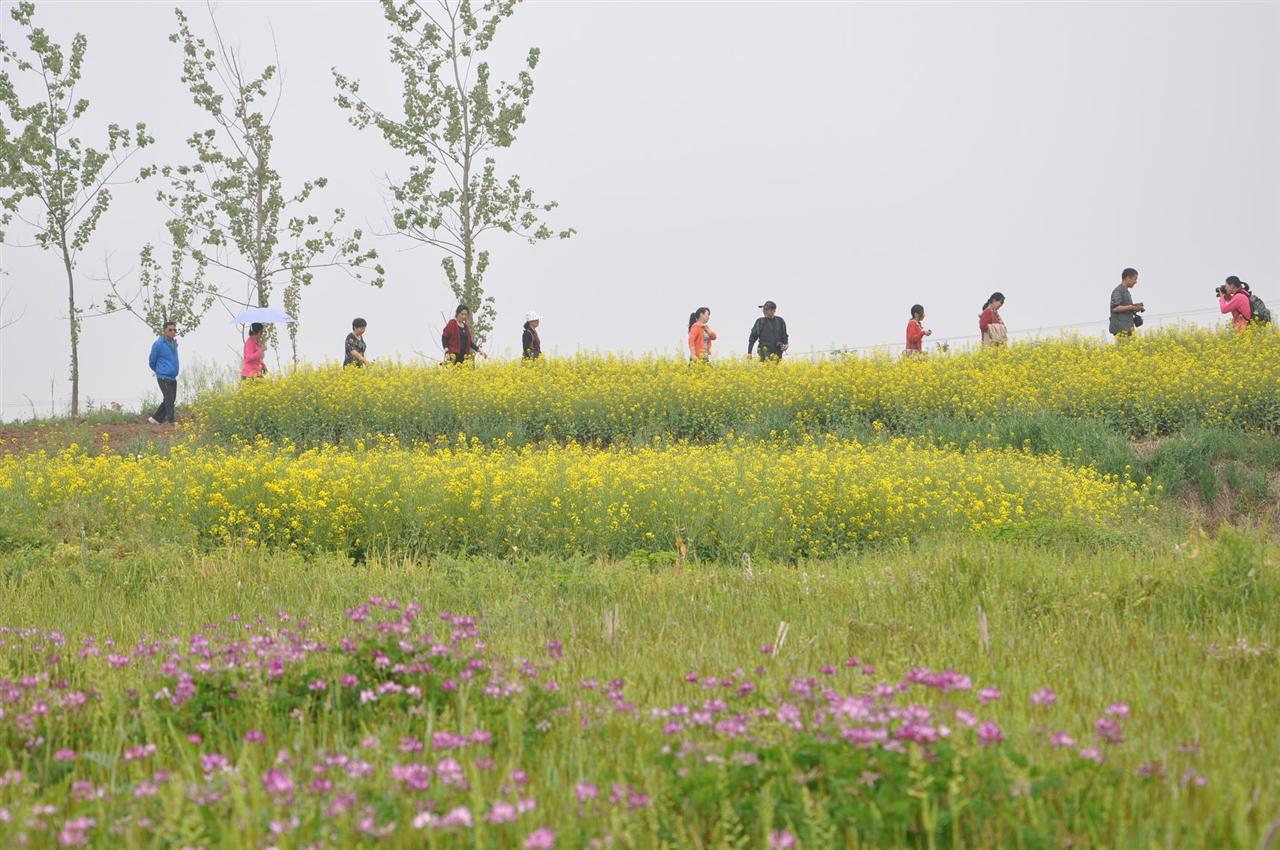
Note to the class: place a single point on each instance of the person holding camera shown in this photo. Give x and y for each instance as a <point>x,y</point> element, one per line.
<point>1234,300</point>
<point>1124,312</point>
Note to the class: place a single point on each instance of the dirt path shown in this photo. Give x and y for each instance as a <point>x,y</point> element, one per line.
<point>117,436</point>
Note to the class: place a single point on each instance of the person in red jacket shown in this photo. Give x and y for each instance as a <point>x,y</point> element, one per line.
<point>916,331</point>
<point>990,325</point>
<point>457,340</point>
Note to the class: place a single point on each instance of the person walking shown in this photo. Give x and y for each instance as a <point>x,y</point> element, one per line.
<point>530,343</point>
<point>770,330</point>
<point>1124,311</point>
<point>990,325</point>
<point>355,345</point>
<point>253,365</point>
<point>164,362</point>
<point>700,335</point>
<point>1233,299</point>
<point>916,331</point>
<point>457,340</point>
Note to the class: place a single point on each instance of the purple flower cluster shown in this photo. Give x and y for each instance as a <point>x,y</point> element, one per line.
<point>425,729</point>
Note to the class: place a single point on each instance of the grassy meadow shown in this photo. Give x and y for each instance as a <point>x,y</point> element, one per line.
<point>999,624</point>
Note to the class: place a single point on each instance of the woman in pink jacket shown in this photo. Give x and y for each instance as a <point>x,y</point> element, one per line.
<point>253,366</point>
<point>1234,300</point>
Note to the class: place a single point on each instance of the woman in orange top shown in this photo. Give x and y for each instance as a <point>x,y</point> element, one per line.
<point>700,334</point>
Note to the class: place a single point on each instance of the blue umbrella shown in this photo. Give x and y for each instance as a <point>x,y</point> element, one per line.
<point>266,315</point>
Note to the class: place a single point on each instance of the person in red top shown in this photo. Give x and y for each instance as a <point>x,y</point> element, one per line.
<point>457,340</point>
<point>1234,300</point>
<point>700,334</point>
<point>253,366</point>
<point>990,325</point>
<point>916,331</point>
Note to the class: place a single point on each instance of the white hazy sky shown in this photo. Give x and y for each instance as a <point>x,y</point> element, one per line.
<point>845,160</point>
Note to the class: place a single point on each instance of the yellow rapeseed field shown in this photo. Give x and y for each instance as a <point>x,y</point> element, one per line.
<point>739,496</point>
<point>1150,385</point>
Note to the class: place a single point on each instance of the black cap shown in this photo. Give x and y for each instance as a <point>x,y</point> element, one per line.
<point>768,305</point>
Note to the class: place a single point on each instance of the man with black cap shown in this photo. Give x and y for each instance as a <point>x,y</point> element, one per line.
<point>770,330</point>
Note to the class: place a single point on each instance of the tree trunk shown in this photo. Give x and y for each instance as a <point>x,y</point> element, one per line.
<point>75,329</point>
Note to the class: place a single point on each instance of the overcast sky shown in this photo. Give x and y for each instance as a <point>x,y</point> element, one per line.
<point>846,160</point>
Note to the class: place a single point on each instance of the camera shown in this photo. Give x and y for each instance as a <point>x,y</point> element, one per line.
<point>1220,291</point>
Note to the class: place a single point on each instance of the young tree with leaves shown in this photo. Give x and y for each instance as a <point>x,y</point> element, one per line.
<point>42,160</point>
<point>230,209</point>
<point>162,295</point>
<point>454,118</point>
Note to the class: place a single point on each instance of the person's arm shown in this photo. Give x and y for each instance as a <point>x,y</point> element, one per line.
<point>1239,303</point>
<point>1225,305</point>
<point>984,321</point>
<point>710,333</point>
<point>785,341</point>
<point>154,356</point>
<point>695,339</point>
<point>915,333</point>
<point>755,335</point>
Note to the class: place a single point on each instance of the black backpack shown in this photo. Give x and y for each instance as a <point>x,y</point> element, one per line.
<point>1261,314</point>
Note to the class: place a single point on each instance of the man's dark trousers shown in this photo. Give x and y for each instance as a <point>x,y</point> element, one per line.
<point>169,398</point>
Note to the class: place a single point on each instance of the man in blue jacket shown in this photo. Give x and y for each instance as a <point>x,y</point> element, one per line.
<point>164,362</point>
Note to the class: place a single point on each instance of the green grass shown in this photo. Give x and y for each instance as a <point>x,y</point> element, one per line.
<point>1178,623</point>
<point>1099,621</point>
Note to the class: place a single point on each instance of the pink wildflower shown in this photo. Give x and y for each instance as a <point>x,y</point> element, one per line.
<point>1044,696</point>
<point>1062,739</point>
<point>781,840</point>
<point>461,816</point>
<point>540,839</point>
<point>585,791</point>
<point>987,695</point>
<point>502,812</point>
<point>989,733</point>
<point>277,782</point>
<point>74,832</point>
<point>1109,730</point>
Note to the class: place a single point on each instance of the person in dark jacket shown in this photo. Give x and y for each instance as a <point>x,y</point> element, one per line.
<point>457,340</point>
<point>355,347</point>
<point>770,330</point>
<point>530,344</point>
